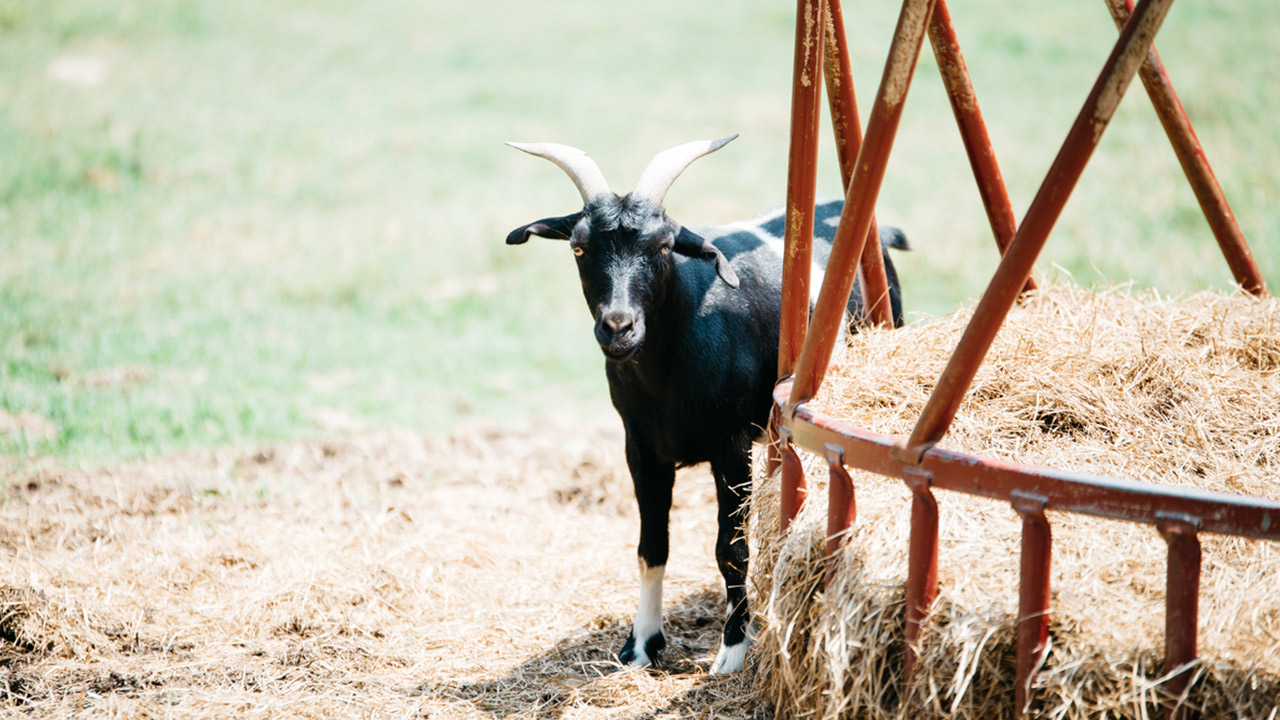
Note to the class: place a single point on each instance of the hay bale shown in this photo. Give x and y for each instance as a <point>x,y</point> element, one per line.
<point>1177,391</point>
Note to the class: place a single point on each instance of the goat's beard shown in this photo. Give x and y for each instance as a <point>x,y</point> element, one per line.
<point>619,356</point>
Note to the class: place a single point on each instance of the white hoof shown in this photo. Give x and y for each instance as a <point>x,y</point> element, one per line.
<point>731,658</point>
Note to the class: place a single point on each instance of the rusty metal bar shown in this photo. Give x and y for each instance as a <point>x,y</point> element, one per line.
<point>922,561</point>
<point>843,104</point>
<point>795,487</point>
<point>1182,602</point>
<point>802,178</point>
<point>1016,265</point>
<point>973,130</point>
<point>842,507</point>
<point>1033,595</point>
<point>855,221</point>
<point>1178,513</point>
<point>1092,495</point>
<point>1195,164</point>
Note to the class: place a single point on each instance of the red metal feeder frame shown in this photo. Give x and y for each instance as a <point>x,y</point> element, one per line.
<point>805,348</point>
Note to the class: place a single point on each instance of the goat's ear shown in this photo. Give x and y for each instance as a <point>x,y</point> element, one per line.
<point>693,245</point>
<point>556,228</point>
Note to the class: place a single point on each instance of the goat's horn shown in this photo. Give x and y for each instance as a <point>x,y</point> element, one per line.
<point>668,164</point>
<point>582,170</point>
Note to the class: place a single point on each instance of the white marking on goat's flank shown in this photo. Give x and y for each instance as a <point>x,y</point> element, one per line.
<point>816,275</point>
<point>775,244</point>
<point>649,612</point>
<point>755,226</point>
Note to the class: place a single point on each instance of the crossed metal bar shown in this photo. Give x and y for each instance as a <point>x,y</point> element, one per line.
<point>806,345</point>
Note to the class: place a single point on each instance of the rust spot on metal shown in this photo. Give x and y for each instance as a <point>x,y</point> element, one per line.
<point>1127,63</point>
<point>897,76</point>
<point>831,54</point>
<point>810,61</point>
<point>955,75</point>
<point>795,226</point>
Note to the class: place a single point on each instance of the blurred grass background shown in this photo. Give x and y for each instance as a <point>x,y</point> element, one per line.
<point>238,222</point>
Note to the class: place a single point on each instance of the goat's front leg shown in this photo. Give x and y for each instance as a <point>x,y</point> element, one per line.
<point>733,490</point>
<point>653,481</point>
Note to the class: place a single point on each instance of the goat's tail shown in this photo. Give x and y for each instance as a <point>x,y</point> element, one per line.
<point>892,237</point>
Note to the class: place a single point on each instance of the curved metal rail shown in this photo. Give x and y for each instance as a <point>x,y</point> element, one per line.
<point>807,343</point>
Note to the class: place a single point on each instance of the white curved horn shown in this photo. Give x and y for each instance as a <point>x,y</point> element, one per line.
<point>668,164</point>
<point>581,169</point>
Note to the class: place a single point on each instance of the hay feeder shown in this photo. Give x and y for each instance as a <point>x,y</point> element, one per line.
<point>1181,514</point>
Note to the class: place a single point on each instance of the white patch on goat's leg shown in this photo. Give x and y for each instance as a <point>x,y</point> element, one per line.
<point>731,658</point>
<point>649,613</point>
<point>646,631</point>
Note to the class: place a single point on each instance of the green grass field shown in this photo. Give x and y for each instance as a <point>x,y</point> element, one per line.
<point>238,222</point>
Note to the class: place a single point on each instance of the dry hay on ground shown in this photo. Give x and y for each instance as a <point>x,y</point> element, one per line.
<point>487,575</point>
<point>1181,392</point>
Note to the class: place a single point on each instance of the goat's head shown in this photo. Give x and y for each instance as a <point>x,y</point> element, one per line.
<point>623,245</point>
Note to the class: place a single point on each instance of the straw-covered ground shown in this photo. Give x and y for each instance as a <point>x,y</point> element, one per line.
<point>1179,391</point>
<point>491,574</point>
<point>488,575</point>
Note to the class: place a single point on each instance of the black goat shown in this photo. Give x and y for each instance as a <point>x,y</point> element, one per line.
<point>688,322</point>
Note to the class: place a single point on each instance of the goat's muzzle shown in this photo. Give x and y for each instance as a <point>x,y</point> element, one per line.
<point>620,333</point>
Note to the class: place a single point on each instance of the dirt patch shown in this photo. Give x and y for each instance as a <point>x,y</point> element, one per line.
<point>486,574</point>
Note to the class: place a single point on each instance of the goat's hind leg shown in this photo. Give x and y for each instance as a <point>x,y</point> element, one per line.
<point>653,482</point>
<point>733,490</point>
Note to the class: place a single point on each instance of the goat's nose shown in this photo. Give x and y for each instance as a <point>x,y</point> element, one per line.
<point>619,321</point>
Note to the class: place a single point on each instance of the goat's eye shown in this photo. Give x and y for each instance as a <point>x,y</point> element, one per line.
<point>665,251</point>
<point>577,251</point>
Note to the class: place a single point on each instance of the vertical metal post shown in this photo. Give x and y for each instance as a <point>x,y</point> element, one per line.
<point>802,178</point>
<point>1015,266</point>
<point>843,103</point>
<point>1182,603</point>
<point>842,508</point>
<point>855,221</point>
<point>1033,595</point>
<point>1195,164</point>
<point>922,561</point>
<point>795,487</point>
<point>973,129</point>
